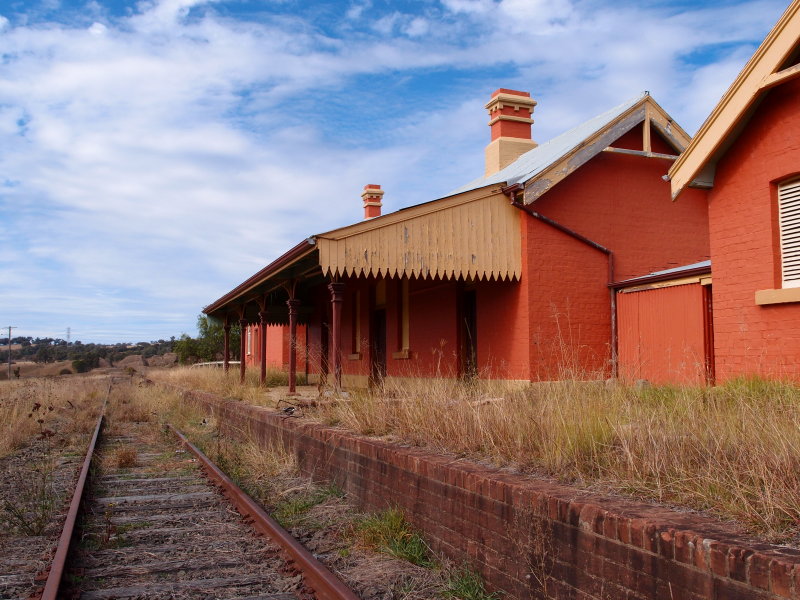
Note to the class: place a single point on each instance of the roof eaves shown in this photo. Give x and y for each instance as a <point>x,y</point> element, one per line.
<point>299,251</point>
<point>710,140</point>
<point>539,159</point>
<point>409,212</point>
<point>699,268</point>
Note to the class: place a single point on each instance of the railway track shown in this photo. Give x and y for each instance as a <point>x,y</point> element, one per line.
<point>161,521</point>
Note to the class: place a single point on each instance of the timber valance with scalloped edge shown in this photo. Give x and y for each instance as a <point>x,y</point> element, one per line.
<point>473,236</point>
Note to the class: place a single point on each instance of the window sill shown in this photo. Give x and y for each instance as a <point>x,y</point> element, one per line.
<point>766,297</point>
<point>402,354</point>
<point>354,356</point>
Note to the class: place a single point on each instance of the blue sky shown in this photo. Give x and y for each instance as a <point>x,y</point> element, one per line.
<point>154,154</point>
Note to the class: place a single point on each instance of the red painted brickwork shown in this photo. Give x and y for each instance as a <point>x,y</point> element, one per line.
<point>530,538</point>
<point>433,334</point>
<point>752,339</point>
<point>621,202</point>
<point>277,347</point>
<point>555,321</point>
<point>569,306</point>
<point>503,342</point>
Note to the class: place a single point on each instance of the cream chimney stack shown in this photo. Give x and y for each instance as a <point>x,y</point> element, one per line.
<point>510,119</point>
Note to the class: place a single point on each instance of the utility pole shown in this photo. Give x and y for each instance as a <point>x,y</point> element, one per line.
<point>9,350</point>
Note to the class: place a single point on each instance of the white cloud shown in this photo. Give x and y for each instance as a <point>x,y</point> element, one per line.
<point>417,27</point>
<point>537,16</point>
<point>470,6</point>
<point>158,159</point>
<point>356,9</point>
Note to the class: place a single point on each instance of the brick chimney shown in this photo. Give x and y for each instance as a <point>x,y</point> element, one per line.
<point>510,119</point>
<point>372,196</point>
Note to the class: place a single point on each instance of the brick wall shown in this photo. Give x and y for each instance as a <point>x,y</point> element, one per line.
<point>530,538</point>
<point>622,203</point>
<point>751,339</point>
<point>277,347</point>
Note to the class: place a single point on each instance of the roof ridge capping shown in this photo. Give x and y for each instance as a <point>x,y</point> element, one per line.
<point>587,139</point>
<point>695,166</point>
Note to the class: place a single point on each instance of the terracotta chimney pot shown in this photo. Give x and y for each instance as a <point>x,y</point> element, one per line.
<point>372,196</point>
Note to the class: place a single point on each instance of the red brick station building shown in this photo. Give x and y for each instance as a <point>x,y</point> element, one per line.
<point>590,255</point>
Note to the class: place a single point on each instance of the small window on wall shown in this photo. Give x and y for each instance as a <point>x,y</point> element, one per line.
<point>789,223</point>
<point>249,341</point>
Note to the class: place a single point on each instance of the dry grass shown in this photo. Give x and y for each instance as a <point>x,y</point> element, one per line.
<point>63,409</point>
<point>215,380</point>
<point>733,450</point>
<point>125,458</point>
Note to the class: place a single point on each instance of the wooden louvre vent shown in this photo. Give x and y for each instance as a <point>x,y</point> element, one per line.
<point>789,218</point>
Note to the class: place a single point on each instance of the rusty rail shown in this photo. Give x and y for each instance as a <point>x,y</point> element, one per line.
<point>53,582</point>
<point>325,584</point>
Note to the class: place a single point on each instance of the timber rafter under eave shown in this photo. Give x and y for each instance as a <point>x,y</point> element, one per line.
<point>300,258</point>
<point>764,70</point>
<point>647,111</point>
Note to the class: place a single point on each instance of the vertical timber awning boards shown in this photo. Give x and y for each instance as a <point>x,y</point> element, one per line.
<point>473,235</point>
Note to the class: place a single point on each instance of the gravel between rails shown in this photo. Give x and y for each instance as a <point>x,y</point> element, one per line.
<point>159,529</point>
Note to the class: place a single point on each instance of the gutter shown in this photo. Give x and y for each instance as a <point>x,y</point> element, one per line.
<point>661,277</point>
<point>303,248</point>
<point>511,192</point>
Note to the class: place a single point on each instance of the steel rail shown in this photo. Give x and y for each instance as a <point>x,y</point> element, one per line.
<point>325,584</point>
<point>53,582</point>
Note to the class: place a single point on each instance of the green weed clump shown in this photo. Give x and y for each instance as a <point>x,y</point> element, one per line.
<point>291,511</point>
<point>466,585</point>
<point>389,532</point>
<point>32,506</point>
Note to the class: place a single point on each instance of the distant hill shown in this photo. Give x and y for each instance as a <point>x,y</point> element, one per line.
<point>51,356</point>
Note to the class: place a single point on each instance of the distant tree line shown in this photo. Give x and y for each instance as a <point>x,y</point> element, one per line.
<point>209,344</point>
<point>84,356</point>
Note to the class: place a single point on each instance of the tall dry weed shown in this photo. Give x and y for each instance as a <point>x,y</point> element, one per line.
<point>216,381</point>
<point>61,409</point>
<point>733,450</point>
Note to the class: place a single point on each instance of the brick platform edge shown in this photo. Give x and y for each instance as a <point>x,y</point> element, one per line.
<point>527,538</point>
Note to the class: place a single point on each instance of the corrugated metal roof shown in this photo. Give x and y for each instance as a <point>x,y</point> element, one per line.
<point>678,270</point>
<point>666,273</point>
<point>540,158</point>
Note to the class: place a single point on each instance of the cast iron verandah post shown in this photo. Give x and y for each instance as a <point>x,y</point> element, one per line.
<point>337,297</point>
